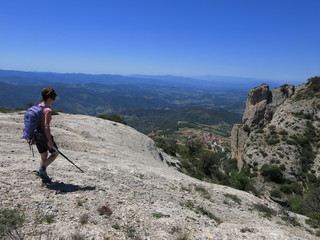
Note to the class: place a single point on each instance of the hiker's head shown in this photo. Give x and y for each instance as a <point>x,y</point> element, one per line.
<point>48,93</point>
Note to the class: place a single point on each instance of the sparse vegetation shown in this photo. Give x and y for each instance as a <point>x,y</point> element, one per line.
<point>169,146</point>
<point>182,234</point>
<point>131,232</point>
<point>200,210</point>
<point>116,226</point>
<point>275,193</point>
<point>42,217</point>
<point>78,236</point>
<point>84,219</point>
<point>312,90</point>
<point>246,128</point>
<point>246,229</point>
<point>10,221</point>
<point>204,192</point>
<point>80,202</point>
<point>233,197</point>
<point>272,173</point>
<point>207,213</point>
<point>314,219</point>
<point>112,117</point>
<point>105,210</point>
<point>9,110</point>
<point>158,215</point>
<point>266,211</point>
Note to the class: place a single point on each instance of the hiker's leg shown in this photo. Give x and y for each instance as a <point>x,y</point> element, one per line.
<point>51,158</point>
<point>44,157</point>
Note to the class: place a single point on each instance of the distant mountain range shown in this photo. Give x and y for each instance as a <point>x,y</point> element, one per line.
<point>106,93</point>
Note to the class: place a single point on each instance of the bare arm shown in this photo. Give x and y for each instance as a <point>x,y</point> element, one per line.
<point>47,130</point>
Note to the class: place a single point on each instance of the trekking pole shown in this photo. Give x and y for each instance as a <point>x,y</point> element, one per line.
<point>67,159</point>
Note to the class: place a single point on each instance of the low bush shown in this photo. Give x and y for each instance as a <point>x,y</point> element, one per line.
<point>194,146</point>
<point>272,173</point>
<point>267,212</point>
<point>84,219</point>
<point>275,193</point>
<point>10,220</point>
<point>233,197</point>
<point>246,128</point>
<point>312,90</point>
<point>229,165</point>
<point>112,117</point>
<point>241,181</point>
<point>293,188</point>
<point>204,192</point>
<point>105,210</point>
<point>272,141</point>
<point>314,219</point>
<point>168,146</point>
<point>311,201</point>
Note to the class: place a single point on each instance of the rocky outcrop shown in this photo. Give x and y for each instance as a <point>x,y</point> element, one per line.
<point>257,101</point>
<point>127,191</point>
<point>278,126</point>
<point>238,140</point>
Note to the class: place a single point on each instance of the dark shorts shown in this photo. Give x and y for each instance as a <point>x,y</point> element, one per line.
<point>42,143</point>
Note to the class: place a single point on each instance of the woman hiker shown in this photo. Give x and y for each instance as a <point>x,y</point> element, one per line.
<point>43,138</point>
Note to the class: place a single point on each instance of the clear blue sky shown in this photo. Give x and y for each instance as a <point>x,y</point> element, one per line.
<point>271,39</point>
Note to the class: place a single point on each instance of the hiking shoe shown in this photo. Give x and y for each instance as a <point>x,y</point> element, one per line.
<point>44,176</point>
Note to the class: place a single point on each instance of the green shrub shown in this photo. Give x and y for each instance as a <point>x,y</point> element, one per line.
<point>6,110</point>
<point>158,215</point>
<point>204,192</point>
<point>10,219</point>
<point>312,90</point>
<point>272,173</point>
<point>229,165</point>
<point>314,83</point>
<point>260,130</point>
<point>285,188</point>
<point>311,201</point>
<point>168,146</point>
<point>314,219</point>
<point>208,163</point>
<point>263,153</point>
<point>112,117</point>
<point>105,210</point>
<point>116,226</point>
<point>233,197</point>
<point>194,146</point>
<point>78,236</point>
<point>42,217</point>
<point>241,181</point>
<point>295,203</point>
<point>207,213</point>
<point>246,128</point>
<point>272,127</point>
<point>272,140</point>
<point>275,193</point>
<point>84,219</point>
<point>283,132</point>
<point>267,212</point>
<point>296,188</point>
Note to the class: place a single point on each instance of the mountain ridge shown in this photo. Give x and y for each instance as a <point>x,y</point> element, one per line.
<point>128,191</point>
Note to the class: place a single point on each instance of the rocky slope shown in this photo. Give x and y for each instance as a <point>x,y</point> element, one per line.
<point>128,191</point>
<point>280,126</point>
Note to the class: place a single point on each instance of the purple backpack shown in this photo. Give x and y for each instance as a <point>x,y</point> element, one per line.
<point>32,119</point>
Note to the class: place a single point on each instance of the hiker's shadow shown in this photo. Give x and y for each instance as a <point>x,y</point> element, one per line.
<point>62,188</point>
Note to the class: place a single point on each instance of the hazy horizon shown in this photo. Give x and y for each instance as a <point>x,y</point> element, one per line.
<point>210,78</point>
